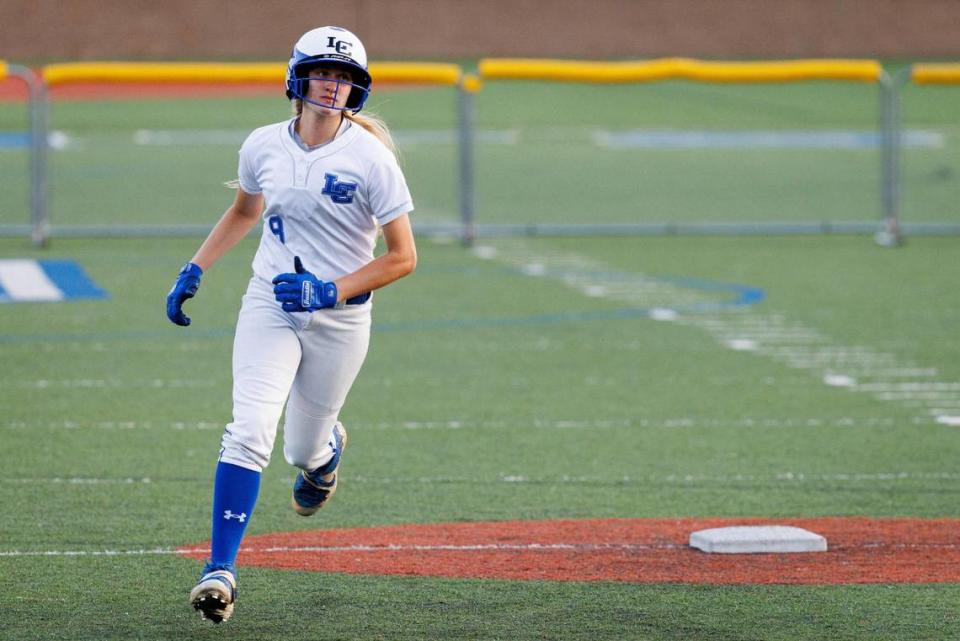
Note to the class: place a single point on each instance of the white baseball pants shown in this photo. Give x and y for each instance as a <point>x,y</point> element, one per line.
<point>313,358</point>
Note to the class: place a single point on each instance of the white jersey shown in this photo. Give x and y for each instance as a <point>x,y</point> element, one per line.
<point>324,204</point>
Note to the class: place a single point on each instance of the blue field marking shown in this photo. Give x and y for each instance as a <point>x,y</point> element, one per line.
<point>742,295</point>
<point>27,280</point>
<point>734,296</point>
<point>737,296</point>
<point>72,279</point>
<point>14,140</point>
<point>772,139</point>
<point>22,140</point>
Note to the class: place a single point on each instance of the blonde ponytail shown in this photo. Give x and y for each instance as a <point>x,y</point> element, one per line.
<point>377,127</point>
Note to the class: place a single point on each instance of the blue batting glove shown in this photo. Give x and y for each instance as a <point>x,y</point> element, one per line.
<point>185,287</point>
<point>302,291</point>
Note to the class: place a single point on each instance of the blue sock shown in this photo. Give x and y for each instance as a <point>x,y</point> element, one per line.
<point>235,492</point>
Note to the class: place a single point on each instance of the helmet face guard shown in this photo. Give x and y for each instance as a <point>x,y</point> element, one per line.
<point>298,85</point>
<point>335,48</point>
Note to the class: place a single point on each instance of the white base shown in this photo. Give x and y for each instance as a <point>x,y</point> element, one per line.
<point>748,539</point>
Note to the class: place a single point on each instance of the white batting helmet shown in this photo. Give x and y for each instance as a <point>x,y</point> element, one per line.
<point>336,47</point>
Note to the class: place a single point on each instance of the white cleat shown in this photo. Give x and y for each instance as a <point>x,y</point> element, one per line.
<point>214,595</point>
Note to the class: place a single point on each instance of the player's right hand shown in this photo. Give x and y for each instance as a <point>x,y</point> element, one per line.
<point>188,280</point>
<point>301,291</point>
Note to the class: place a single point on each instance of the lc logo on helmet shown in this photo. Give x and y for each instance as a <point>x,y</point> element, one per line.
<point>342,46</point>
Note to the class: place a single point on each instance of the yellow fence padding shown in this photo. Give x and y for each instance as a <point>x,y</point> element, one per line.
<point>679,69</point>
<point>3,69</point>
<point>471,83</point>
<point>205,72</point>
<point>432,73</point>
<point>936,74</point>
<point>132,72</point>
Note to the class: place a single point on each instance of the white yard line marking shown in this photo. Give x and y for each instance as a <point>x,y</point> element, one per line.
<point>78,480</point>
<point>909,387</point>
<point>521,479</point>
<point>779,477</point>
<point>758,139</point>
<point>25,280</point>
<point>95,553</point>
<point>479,547</point>
<point>742,344</point>
<point>546,547</point>
<point>97,383</point>
<point>62,347</point>
<point>526,547</point>
<point>176,137</point>
<point>663,314</point>
<point>484,252</point>
<point>234,137</point>
<point>112,425</point>
<point>852,369</point>
<point>839,380</point>
<point>59,140</point>
<point>550,424</point>
<point>409,137</point>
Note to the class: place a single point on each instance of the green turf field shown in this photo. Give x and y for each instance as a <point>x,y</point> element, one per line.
<point>526,382</point>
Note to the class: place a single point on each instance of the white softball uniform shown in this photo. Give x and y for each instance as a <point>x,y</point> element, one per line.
<point>325,205</point>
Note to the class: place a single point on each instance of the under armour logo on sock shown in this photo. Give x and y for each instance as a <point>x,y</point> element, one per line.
<point>227,514</point>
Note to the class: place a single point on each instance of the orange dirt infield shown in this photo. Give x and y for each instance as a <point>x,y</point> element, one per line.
<point>861,550</point>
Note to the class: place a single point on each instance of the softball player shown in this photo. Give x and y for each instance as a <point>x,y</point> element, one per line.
<point>323,183</point>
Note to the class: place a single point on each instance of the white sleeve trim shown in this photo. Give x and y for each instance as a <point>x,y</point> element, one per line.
<point>246,189</point>
<point>405,208</point>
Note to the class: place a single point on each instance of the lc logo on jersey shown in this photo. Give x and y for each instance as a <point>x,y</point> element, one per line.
<point>339,192</point>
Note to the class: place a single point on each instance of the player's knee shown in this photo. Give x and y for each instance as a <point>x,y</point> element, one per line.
<point>301,457</point>
<point>249,442</point>
<point>307,432</point>
<point>308,454</point>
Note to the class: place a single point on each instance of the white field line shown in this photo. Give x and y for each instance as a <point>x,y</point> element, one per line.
<point>235,137</point>
<point>547,424</point>
<point>780,477</point>
<point>25,280</point>
<point>788,477</point>
<point>852,369</point>
<point>909,387</point>
<point>849,139</point>
<point>96,553</point>
<point>480,547</point>
<point>102,383</point>
<point>511,547</point>
<point>60,348</point>
<point>111,425</point>
<point>77,480</point>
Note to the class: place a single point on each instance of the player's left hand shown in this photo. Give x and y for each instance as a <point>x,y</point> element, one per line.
<point>302,291</point>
